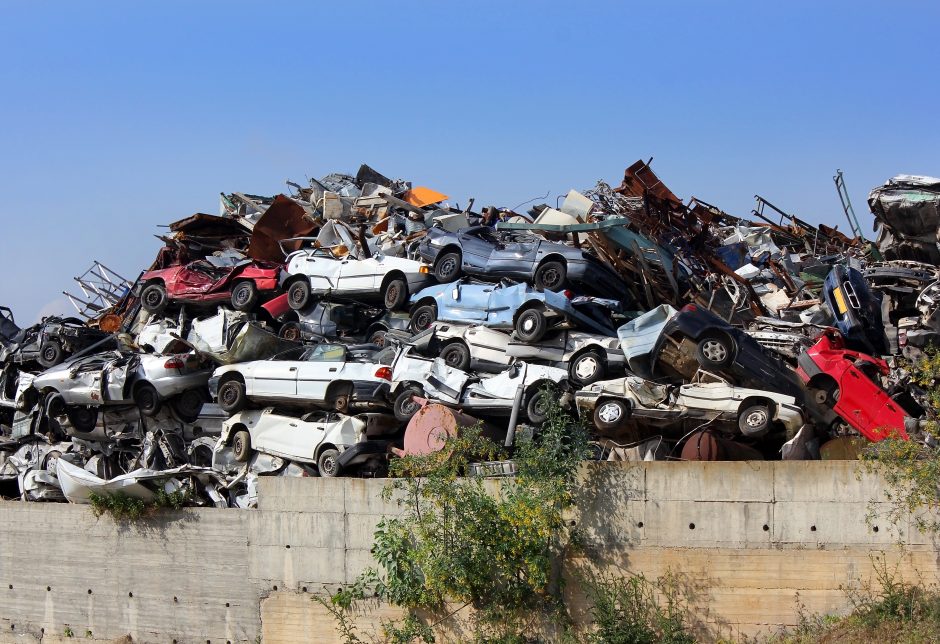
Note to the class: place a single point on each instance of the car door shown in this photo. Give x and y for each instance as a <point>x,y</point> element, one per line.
<point>866,406</point>
<point>476,244</point>
<point>321,268</point>
<point>360,275</point>
<point>466,302</point>
<point>322,365</point>
<point>196,278</point>
<point>488,345</point>
<point>513,259</point>
<point>276,378</point>
<point>289,437</point>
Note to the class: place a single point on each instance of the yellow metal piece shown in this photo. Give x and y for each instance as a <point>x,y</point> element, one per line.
<point>840,300</point>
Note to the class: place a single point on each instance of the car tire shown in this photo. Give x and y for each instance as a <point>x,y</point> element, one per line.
<point>291,331</point>
<point>404,407</point>
<point>377,337</point>
<point>50,354</point>
<point>298,295</point>
<point>537,404</point>
<point>423,317</point>
<point>245,296</point>
<point>328,463</point>
<point>715,352</point>
<point>551,276</point>
<point>456,355</point>
<point>447,267</point>
<point>147,399</point>
<point>611,414</point>
<point>82,419</point>
<point>188,405</point>
<point>531,326</point>
<point>154,298</point>
<point>241,446</point>
<point>754,420</point>
<point>587,368</point>
<point>231,396</point>
<point>395,293</point>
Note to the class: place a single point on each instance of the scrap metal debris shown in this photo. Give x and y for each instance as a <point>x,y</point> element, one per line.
<point>358,318</point>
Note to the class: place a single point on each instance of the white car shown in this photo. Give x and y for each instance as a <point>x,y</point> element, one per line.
<point>79,386</point>
<point>332,376</point>
<point>587,357</point>
<point>489,394</point>
<point>753,412</point>
<point>333,442</point>
<point>319,271</point>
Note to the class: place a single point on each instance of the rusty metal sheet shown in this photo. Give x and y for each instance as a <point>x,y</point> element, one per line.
<point>284,218</point>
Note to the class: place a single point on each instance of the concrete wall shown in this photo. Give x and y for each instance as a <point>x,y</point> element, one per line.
<point>747,536</point>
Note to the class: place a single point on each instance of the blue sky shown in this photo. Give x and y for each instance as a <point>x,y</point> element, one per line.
<point>117,117</point>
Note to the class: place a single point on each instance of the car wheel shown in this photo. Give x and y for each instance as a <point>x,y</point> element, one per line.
<point>536,408</point>
<point>291,331</point>
<point>147,399</point>
<point>447,268</point>
<point>611,414</point>
<point>298,295</point>
<point>423,317</point>
<point>395,294</point>
<point>241,446</point>
<point>328,463</point>
<point>405,407</point>
<point>531,326</point>
<point>50,354</point>
<point>824,391</point>
<point>551,276</point>
<point>83,419</point>
<point>715,352</point>
<point>188,405</point>
<point>153,298</point>
<point>244,296</point>
<point>755,420</point>
<point>587,368</point>
<point>340,403</point>
<point>54,404</point>
<point>377,337</point>
<point>456,355</point>
<point>232,396</point>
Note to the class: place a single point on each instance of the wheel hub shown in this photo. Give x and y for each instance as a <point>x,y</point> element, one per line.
<point>586,367</point>
<point>755,419</point>
<point>609,413</point>
<point>714,351</point>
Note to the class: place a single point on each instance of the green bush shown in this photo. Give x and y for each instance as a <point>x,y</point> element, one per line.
<point>122,507</point>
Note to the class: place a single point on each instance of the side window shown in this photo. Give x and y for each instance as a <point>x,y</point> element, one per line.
<point>327,353</point>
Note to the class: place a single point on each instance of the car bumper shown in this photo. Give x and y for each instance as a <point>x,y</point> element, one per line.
<point>173,385</point>
<point>362,452</point>
<point>369,394</point>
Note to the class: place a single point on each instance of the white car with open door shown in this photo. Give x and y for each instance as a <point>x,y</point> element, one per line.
<point>614,403</point>
<point>347,272</point>
<point>78,387</point>
<point>331,376</point>
<point>331,441</point>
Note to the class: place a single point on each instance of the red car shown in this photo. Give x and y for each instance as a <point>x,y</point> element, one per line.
<point>848,382</point>
<point>200,282</point>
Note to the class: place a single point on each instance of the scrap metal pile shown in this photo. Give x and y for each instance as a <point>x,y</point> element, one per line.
<point>359,318</point>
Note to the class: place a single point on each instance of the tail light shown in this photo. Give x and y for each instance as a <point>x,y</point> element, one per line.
<point>174,363</point>
<point>689,308</point>
<point>568,293</point>
<point>384,373</point>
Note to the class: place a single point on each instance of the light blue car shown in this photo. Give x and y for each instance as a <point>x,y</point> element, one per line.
<point>508,306</point>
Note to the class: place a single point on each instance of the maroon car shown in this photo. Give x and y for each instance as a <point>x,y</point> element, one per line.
<point>201,282</point>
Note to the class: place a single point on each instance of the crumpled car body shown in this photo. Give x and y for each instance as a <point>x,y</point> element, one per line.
<point>857,312</point>
<point>696,338</point>
<point>377,278</point>
<point>342,320</point>
<point>334,376</point>
<point>752,412</point>
<point>639,335</point>
<point>53,340</point>
<point>587,357</point>
<point>202,282</point>
<point>118,378</point>
<point>485,394</point>
<point>849,383</point>
<point>329,440</point>
<point>501,306</point>
<point>485,253</point>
